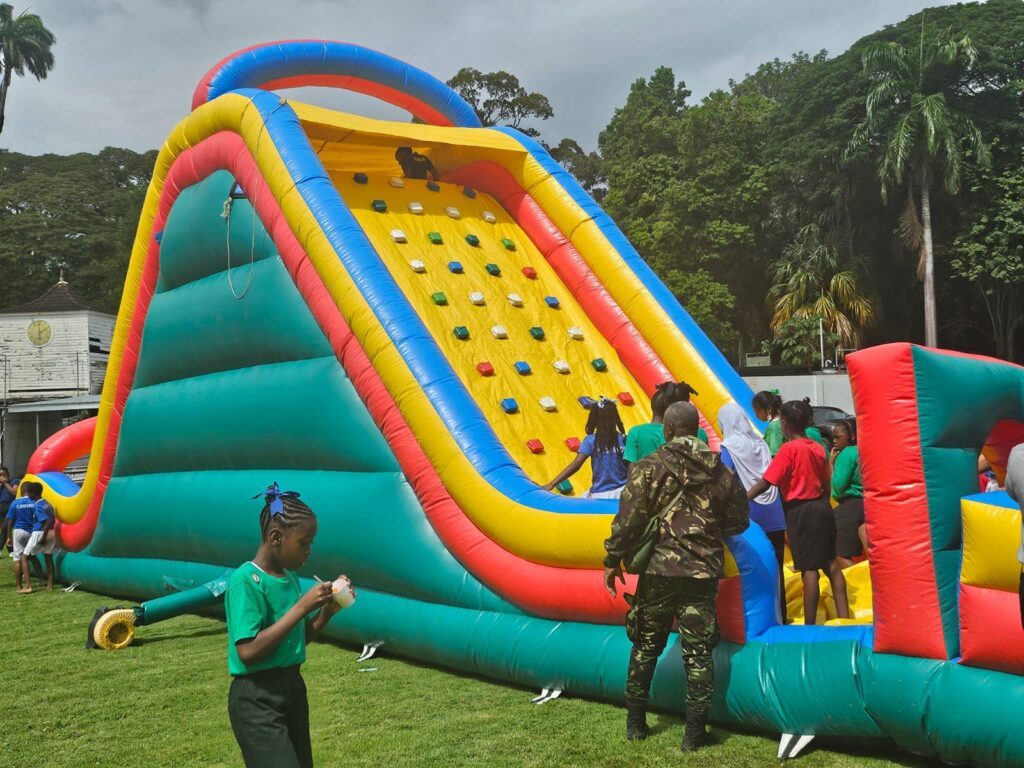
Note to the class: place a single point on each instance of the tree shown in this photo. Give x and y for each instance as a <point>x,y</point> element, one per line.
<point>990,255</point>
<point>799,342</point>
<point>586,167</point>
<point>499,99</point>
<point>25,44</point>
<point>809,282</point>
<point>913,117</point>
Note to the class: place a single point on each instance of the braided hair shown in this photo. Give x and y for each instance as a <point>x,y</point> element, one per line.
<point>850,425</point>
<point>669,392</point>
<point>769,402</point>
<point>604,424</point>
<point>294,511</point>
<point>797,414</point>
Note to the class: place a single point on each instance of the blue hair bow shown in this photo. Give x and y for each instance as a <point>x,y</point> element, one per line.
<point>274,496</point>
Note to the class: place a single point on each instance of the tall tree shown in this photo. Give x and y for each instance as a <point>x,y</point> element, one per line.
<point>913,117</point>
<point>25,44</point>
<point>810,282</point>
<point>499,99</point>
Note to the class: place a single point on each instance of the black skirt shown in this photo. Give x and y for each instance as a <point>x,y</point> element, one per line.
<point>811,530</point>
<point>849,518</point>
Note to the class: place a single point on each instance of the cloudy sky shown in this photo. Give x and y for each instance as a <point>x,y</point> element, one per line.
<point>126,68</point>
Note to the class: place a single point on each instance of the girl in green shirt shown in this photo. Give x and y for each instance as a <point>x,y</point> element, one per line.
<point>644,439</point>
<point>269,623</point>
<point>767,406</point>
<point>848,491</point>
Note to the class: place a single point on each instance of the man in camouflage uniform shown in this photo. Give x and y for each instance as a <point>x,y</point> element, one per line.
<point>700,502</point>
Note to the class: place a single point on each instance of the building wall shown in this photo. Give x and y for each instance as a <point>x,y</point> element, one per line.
<point>823,388</point>
<point>73,362</point>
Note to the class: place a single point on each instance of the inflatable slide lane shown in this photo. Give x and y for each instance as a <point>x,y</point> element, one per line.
<point>417,358</point>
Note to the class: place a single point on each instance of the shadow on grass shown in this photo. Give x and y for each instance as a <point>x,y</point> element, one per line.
<point>155,639</point>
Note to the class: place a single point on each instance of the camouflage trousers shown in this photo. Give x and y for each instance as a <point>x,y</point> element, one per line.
<point>659,600</point>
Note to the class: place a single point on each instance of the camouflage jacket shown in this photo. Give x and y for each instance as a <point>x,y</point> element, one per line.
<point>712,507</point>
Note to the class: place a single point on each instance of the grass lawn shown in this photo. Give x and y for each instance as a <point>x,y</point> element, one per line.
<point>162,702</point>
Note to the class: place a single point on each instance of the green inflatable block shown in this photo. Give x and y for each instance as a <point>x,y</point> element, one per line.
<point>380,206</point>
<point>599,364</point>
<point>493,269</point>
<point>439,298</point>
<point>537,332</point>
<point>435,237</point>
<point>564,487</point>
<point>461,332</point>
<point>473,240</point>
<point>509,245</point>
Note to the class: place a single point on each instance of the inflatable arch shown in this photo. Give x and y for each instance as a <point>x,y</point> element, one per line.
<point>412,357</point>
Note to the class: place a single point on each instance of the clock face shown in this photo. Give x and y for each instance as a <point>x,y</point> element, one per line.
<point>40,333</point>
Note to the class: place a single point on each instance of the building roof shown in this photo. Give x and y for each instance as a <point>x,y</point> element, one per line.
<point>60,298</point>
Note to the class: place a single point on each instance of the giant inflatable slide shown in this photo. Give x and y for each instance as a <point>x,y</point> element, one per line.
<point>416,358</point>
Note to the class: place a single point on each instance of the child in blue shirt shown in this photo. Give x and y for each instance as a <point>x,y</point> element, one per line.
<point>603,445</point>
<point>44,537</point>
<point>8,493</point>
<point>21,517</point>
<point>269,624</point>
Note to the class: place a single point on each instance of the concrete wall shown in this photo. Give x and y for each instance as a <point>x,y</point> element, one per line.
<point>823,388</point>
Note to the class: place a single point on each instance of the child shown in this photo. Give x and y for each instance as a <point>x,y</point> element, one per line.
<point>744,452</point>
<point>21,517</point>
<point>8,493</point>
<point>851,533</point>
<point>269,625</point>
<point>766,406</point>
<point>645,439</point>
<point>800,471</point>
<point>44,537</point>
<point>603,445</point>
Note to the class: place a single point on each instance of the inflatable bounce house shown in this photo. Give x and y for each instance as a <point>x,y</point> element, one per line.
<point>416,357</point>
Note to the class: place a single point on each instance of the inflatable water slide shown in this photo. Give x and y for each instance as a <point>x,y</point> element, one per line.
<point>417,359</point>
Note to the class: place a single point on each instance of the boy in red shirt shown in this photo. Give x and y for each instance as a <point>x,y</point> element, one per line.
<point>800,470</point>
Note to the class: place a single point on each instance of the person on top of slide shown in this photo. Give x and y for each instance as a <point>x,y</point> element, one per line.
<point>414,165</point>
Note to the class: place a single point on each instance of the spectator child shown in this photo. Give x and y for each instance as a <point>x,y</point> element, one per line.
<point>746,453</point>
<point>44,536</point>
<point>268,628</point>
<point>848,491</point>
<point>800,471</point>
<point>766,406</point>
<point>20,518</point>
<point>8,493</point>
<point>603,445</point>
<point>645,439</point>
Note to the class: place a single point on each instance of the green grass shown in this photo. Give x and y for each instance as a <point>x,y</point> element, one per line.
<point>162,702</point>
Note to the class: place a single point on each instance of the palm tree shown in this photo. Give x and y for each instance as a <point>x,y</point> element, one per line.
<point>809,283</point>
<point>924,137</point>
<point>24,45</point>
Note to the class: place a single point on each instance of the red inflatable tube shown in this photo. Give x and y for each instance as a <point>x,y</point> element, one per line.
<point>59,450</point>
<point>908,619</point>
<point>990,630</point>
<point>573,271</point>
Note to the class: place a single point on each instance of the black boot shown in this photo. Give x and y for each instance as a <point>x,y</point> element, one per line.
<point>636,722</point>
<point>696,734</point>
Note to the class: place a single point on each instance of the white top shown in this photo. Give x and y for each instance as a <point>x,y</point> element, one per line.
<point>749,451</point>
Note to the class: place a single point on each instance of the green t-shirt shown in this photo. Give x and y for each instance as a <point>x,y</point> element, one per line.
<point>773,436</point>
<point>815,434</point>
<point>846,482</point>
<point>645,439</point>
<point>254,600</point>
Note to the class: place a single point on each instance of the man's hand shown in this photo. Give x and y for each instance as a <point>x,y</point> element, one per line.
<point>610,575</point>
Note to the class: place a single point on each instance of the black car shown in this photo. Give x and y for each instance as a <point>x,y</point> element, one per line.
<point>825,416</point>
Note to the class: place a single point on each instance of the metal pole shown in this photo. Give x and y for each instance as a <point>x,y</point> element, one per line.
<point>821,340</point>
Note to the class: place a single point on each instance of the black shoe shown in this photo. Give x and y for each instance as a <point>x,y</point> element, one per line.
<point>636,722</point>
<point>696,733</point>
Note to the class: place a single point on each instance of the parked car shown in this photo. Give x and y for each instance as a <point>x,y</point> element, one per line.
<point>825,416</point>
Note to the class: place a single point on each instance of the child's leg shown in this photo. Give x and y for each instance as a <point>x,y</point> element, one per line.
<point>838,580</point>
<point>25,573</point>
<point>298,718</point>
<point>16,561</point>
<point>811,596</point>
<point>49,571</point>
<point>862,532</point>
<point>778,540</point>
<point>257,708</point>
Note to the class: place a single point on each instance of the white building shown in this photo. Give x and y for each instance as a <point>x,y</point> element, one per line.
<point>53,357</point>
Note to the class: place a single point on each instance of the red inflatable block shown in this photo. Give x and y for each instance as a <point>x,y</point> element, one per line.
<point>729,607</point>
<point>485,369</point>
<point>625,398</point>
<point>530,272</point>
<point>990,631</point>
<point>535,446</point>
<point>572,443</point>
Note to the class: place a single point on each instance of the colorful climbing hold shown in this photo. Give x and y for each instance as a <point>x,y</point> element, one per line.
<point>551,301</point>
<point>380,206</point>
<point>537,332</point>
<point>435,238</point>
<point>530,272</point>
<point>509,405</point>
<point>360,178</point>
<point>522,367</point>
<point>599,364</point>
<point>493,269</point>
<point>473,240</point>
<point>484,368</point>
<point>461,332</point>
<point>439,298</point>
<point>535,446</point>
<point>455,267</point>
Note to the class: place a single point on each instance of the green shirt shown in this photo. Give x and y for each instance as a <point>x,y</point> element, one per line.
<point>846,482</point>
<point>815,434</point>
<point>773,436</point>
<point>645,439</point>
<point>254,600</point>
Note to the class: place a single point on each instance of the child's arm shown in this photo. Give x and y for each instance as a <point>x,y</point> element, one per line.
<point>315,625</point>
<point>759,487</point>
<point>569,471</point>
<point>266,640</point>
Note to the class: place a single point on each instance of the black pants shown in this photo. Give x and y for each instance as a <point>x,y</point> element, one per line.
<point>270,717</point>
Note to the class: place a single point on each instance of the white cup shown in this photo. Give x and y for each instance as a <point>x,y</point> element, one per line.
<point>342,590</point>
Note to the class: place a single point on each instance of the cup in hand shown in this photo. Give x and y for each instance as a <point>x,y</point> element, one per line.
<point>342,589</point>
